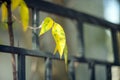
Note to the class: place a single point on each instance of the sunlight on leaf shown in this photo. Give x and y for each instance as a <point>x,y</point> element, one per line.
<point>46,25</point>
<point>4,11</point>
<point>24,13</point>
<point>15,4</point>
<point>59,36</point>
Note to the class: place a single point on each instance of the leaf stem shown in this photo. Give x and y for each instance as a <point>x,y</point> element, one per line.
<point>30,27</point>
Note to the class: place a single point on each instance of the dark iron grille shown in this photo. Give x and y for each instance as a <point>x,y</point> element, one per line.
<point>80,18</point>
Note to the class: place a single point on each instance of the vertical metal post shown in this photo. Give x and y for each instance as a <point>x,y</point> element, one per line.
<point>35,23</point>
<point>72,70</point>
<point>35,42</point>
<point>108,72</point>
<point>81,36</point>
<point>21,67</point>
<point>48,69</point>
<point>115,45</point>
<point>92,69</point>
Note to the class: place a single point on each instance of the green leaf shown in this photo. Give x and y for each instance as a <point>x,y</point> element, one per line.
<point>46,25</point>
<point>24,13</point>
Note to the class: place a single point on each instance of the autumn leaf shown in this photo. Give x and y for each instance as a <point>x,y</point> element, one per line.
<point>60,39</point>
<point>46,25</point>
<point>4,11</point>
<point>66,56</point>
<point>58,35</point>
<point>15,4</point>
<point>24,13</point>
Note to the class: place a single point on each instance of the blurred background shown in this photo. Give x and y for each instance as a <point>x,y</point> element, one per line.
<point>98,43</point>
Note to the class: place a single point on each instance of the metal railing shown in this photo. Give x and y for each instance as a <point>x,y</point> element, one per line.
<point>81,18</point>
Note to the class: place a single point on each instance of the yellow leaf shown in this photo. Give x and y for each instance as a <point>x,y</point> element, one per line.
<point>66,56</point>
<point>55,50</point>
<point>4,11</point>
<point>60,39</point>
<point>5,25</point>
<point>15,4</point>
<point>46,25</point>
<point>58,35</point>
<point>24,13</point>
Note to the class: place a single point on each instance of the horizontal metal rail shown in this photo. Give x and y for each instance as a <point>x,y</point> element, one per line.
<point>70,13</point>
<point>26,52</point>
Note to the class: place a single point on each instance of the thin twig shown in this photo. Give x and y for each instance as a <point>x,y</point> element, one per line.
<point>30,27</point>
<point>11,37</point>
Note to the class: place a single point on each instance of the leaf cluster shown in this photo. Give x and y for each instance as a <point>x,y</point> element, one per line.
<point>48,23</point>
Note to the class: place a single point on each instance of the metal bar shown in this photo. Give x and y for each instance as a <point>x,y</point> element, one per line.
<point>35,23</point>
<point>71,70</point>
<point>115,45</point>
<point>35,40</point>
<point>21,51</point>
<point>21,67</point>
<point>48,69</point>
<point>81,37</point>
<point>108,72</point>
<point>92,69</point>
<point>70,13</point>
<point>93,73</point>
